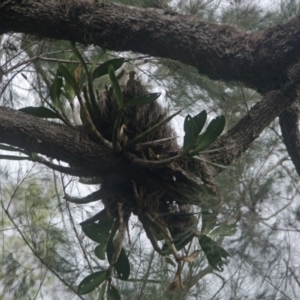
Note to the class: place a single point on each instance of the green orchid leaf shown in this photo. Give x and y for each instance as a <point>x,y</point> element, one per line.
<point>94,232</point>
<point>191,133</point>
<point>189,125</point>
<point>102,70</point>
<point>209,220</point>
<point>69,91</point>
<point>113,293</point>
<point>91,282</point>
<point>55,88</point>
<point>40,112</point>
<point>145,99</point>
<point>69,78</point>
<point>117,89</point>
<point>223,230</point>
<point>102,291</point>
<point>99,232</point>
<point>188,143</point>
<point>213,252</point>
<point>214,129</point>
<point>122,266</point>
<point>100,251</point>
<point>200,120</point>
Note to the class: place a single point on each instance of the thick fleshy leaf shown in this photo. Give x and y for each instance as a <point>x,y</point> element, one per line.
<point>40,112</point>
<point>69,77</point>
<point>213,252</point>
<point>100,251</point>
<point>189,124</point>
<point>200,120</point>
<point>214,129</point>
<point>223,230</point>
<point>102,291</point>
<point>69,91</point>
<point>122,266</point>
<point>99,232</point>
<point>209,220</point>
<point>117,89</point>
<point>55,89</point>
<point>93,231</point>
<point>113,293</point>
<point>103,69</point>
<point>106,222</point>
<point>191,133</point>
<point>89,283</point>
<point>188,143</point>
<point>145,99</point>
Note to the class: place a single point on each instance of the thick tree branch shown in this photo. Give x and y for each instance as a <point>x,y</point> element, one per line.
<point>74,146</point>
<point>219,51</point>
<point>54,140</point>
<point>238,139</point>
<point>288,121</point>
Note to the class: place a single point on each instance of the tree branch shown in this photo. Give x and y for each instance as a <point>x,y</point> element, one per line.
<point>238,139</point>
<point>58,141</point>
<point>218,51</point>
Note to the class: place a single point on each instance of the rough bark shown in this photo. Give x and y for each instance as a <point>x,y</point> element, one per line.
<point>239,138</point>
<point>75,147</point>
<point>57,141</point>
<point>218,51</point>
